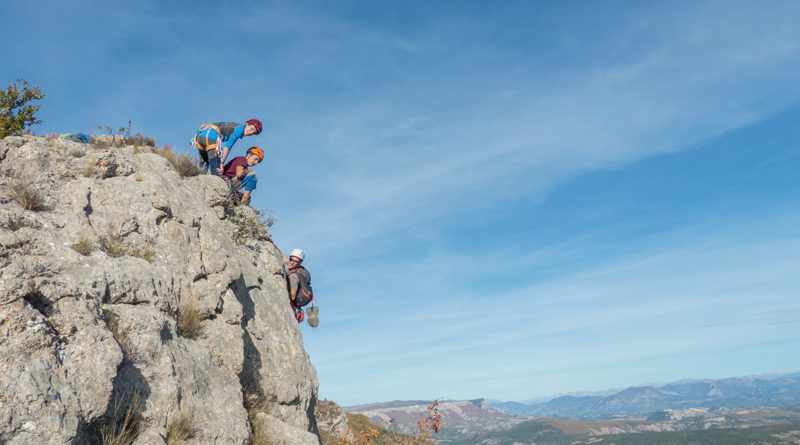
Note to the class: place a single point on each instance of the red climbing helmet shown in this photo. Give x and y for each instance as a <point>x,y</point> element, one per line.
<point>255,123</point>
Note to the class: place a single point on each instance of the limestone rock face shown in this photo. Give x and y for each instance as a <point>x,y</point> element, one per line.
<point>332,421</point>
<point>95,282</point>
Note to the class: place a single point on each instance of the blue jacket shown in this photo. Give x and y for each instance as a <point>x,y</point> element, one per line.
<point>230,132</point>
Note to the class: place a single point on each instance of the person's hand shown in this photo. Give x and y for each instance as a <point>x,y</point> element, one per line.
<point>220,171</point>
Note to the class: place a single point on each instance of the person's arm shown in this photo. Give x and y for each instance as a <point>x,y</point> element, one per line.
<point>245,199</point>
<point>222,159</point>
<point>241,171</point>
<point>294,285</point>
<point>238,133</point>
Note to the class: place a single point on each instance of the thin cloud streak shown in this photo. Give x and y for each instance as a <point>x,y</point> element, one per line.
<point>681,96</point>
<point>611,312</point>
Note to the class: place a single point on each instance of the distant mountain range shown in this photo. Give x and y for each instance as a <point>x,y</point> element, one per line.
<point>734,393</point>
<point>657,404</point>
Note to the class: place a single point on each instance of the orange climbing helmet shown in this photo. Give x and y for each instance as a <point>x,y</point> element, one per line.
<point>258,152</point>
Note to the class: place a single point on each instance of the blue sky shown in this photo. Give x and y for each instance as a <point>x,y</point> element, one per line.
<point>497,199</point>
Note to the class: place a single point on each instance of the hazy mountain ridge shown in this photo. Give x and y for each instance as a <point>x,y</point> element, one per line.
<point>700,426</point>
<point>734,393</point>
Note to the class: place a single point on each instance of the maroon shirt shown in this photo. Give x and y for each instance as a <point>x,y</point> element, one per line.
<point>230,168</point>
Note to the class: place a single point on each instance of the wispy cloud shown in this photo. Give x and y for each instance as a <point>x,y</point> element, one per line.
<point>683,294</point>
<point>672,85</point>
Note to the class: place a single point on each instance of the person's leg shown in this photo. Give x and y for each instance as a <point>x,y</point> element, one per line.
<point>213,164</point>
<point>247,186</point>
<point>203,156</point>
<point>249,181</point>
<point>206,145</point>
<point>244,198</point>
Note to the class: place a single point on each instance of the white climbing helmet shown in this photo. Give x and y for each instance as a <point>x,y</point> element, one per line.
<point>297,253</point>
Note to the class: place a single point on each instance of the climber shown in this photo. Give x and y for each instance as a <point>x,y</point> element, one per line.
<point>240,178</point>
<point>299,284</point>
<point>221,136</point>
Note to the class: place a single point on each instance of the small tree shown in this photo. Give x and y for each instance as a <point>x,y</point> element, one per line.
<point>18,96</point>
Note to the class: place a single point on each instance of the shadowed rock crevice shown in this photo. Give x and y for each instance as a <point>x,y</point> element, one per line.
<point>40,302</point>
<point>310,412</point>
<point>124,411</point>
<point>250,376</point>
<point>87,209</point>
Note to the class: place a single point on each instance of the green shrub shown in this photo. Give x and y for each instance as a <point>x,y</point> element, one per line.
<point>18,96</point>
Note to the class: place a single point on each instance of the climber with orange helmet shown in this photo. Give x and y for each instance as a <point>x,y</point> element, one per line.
<point>241,179</point>
<point>215,141</point>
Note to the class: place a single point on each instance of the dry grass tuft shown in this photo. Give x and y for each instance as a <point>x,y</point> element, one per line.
<point>184,164</point>
<point>124,427</point>
<point>84,245</point>
<point>28,197</point>
<point>76,152</point>
<point>112,321</point>
<point>139,139</point>
<point>261,435</point>
<point>190,321</point>
<point>254,399</point>
<point>249,225</point>
<point>144,251</point>
<point>113,246</point>
<point>88,169</point>
<point>180,427</point>
<point>123,339</point>
<point>121,137</point>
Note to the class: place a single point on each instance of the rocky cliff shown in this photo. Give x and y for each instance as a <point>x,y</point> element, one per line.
<point>133,299</point>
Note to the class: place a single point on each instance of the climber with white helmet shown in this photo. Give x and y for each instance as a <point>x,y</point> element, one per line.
<point>299,286</point>
<point>215,141</point>
<point>240,178</point>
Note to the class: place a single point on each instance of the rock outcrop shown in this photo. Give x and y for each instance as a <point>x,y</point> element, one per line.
<point>332,422</point>
<point>99,285</point>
